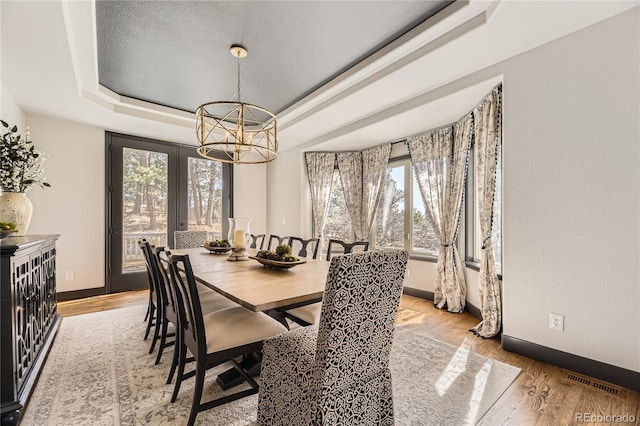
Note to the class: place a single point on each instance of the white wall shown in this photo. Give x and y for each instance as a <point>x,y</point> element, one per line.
<point>571,207</point>
<point>74,206</point>
<point>571,198</point>
<point>10,111</point>
<point>287,195</point>
<point>250,195</point>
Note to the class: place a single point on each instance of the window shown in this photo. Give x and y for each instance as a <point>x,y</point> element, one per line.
<point>338,223</point>
<point>401,219</point>
<point>156,188</point>
<point>204,196</point>
<point>472,222</point>
<point>389,220</point>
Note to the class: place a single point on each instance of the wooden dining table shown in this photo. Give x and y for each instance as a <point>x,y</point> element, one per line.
<point>259,289</point>
<point>255,286</point>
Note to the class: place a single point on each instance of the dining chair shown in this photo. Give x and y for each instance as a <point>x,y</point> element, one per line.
<point>150,305</point>
<point>255,239</point>
<point>338,372</point>
<point>310,314</point>
<point>209,300</point>
<point>279,240</point>
<point>189,239</point>
<point>214,338</point>
<point>162,302</point>
<point>307,314</point>
<point>312,242</point>
<point>347,247</point>
<point>155,301</point>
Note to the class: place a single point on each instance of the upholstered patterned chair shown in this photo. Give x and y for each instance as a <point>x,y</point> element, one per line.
<point>338,372</point>
<point>188,239</point>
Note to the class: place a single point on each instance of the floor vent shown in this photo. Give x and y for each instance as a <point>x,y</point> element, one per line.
<point>592,384</point>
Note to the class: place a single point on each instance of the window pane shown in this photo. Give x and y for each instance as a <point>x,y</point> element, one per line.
<point>338,224</point>
<point>205,196</point>
<point>144,200</point>
<point>389,226</point>
<point>424,237</point>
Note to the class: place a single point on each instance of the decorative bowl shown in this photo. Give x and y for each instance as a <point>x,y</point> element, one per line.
<point>218,250</point>
<point>7,232</point>
<point>277,264</point>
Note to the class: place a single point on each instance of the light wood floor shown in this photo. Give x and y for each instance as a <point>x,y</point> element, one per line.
<point>541,395</point>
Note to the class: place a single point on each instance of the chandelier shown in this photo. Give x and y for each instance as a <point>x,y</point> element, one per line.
<point>234,131</point>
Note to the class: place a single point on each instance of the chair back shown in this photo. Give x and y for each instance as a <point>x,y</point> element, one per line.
<point>154,272</point>
<point>151,273</point>
<point>272,238</point>
<point>314,242</point>
<point>188,301</point>
<point>161,255</point>
<point>255,239</point>
<point>346,247</point>
<point>189,239</point>
<point>358,315</point>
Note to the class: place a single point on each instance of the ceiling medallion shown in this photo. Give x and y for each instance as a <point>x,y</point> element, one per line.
<point>234,131</point>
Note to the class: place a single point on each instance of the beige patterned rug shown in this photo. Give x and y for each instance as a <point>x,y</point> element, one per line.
<point>99,373</point>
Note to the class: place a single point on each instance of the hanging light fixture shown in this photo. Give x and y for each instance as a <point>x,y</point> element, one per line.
<point>241,132</point>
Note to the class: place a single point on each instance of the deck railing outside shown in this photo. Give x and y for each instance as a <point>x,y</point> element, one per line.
<point>132,259</point>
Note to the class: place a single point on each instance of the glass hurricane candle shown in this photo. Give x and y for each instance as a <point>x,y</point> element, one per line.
<point>239,235</point>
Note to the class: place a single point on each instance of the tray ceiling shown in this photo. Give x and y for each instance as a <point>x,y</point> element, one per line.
<point>176,53</point>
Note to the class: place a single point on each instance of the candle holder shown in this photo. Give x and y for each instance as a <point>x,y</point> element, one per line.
<point>239,235</point>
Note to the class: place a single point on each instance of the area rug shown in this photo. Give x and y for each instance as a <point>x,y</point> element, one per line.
<point>99,372</point>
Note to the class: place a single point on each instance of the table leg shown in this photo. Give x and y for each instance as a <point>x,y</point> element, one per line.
<point>230,378</point>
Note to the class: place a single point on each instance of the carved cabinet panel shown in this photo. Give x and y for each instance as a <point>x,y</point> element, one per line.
<point>29,316</point>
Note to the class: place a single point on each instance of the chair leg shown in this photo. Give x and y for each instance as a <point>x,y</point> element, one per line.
<point>160,320</point>
<point>152,310</point>
<point>176,352</point>
<point>163,340</point>
<point>148,308</point>
<point>182,360</point>
<point>201,368</point>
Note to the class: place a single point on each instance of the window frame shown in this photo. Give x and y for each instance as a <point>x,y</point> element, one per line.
<point>471,220</point>
<point>405,161</point>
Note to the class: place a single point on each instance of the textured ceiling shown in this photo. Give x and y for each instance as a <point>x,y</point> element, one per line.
<point>176,53</point>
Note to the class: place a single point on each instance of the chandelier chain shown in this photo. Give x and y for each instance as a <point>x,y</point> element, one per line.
<point>238,58</point>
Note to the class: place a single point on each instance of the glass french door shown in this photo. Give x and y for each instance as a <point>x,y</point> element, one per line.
<point>154,189</point>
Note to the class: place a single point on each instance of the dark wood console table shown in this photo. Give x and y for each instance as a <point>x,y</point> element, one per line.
<point>29,316</point>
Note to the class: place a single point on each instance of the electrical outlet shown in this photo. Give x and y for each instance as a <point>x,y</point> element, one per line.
<point>70,275</point>
<point>284,220</point>
<point>407,274</point>
<point>556,322</point>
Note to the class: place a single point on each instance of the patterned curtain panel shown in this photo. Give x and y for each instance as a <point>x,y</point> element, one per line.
<point>488,140</point>
<point>439,160</point>
<point>374,170</point>
<point>350,168</point>
<point>320,173</point>
<point>362,174</point>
